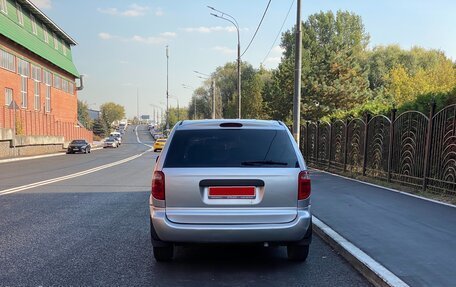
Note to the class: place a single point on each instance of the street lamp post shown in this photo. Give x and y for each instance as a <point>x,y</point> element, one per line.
<point>167,93</point>
<point>235,23</point>
<point>178,111</point>
<point>194,99</point>
<point>207,77</point>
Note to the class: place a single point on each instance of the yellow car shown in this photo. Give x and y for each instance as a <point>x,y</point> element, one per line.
<point>159,144</point>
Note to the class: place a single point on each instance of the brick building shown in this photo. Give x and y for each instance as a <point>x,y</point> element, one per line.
<point>37,73</point>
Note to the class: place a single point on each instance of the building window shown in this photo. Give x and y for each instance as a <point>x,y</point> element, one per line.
<point>47,78</point>
<point>37,95</point>
<point>46,35</point>
<point>8,96</point>
<point>65,86</point>
<point>20,14</point>
<point>34,30</point>
<point>23,68</point>
<point>3,6</point>
<point>7,61</point>
<point>56,43</point>
<point>48,82</point>
<point>57,82</point>
<point>71,88</point>
<point>24,91</point>
<point>36,73</point>
<point>64,49</point>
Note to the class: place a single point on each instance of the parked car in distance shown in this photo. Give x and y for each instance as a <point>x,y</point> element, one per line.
<point>159,144</point>
<point>110,142</point>
<point>230,181</point>
<point>80,145</point>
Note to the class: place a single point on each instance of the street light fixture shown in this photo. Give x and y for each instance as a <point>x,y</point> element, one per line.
<point>207,77</point>
<point>178,111</point>
<point>194,99</point>
<point>233,21</point>
<point>157,110</point>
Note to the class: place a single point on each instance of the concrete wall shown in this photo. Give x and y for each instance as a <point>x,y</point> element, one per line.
<point>28,145</point>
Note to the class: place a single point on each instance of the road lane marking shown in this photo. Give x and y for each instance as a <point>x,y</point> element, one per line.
<point>139,141</point>
<point>38,156</point>
<point>137,136</point>
<point>375,272</point>
<point>65,177</point>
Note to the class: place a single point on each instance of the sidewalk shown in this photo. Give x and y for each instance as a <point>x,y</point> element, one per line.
<point>415,239</point>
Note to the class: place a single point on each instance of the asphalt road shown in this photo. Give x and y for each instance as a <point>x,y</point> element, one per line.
<point>93,230</point>
<point>413,238</point>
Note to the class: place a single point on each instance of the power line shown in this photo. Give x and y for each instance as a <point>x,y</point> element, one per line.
<point>280,31</point>
<point>259,24</point>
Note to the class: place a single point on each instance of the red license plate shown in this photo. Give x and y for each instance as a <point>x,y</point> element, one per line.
<point>232,192</point>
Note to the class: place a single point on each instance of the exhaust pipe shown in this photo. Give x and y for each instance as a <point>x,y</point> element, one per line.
<point>81,83</point>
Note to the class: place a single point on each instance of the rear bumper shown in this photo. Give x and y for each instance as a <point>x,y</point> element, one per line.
<point>167,231</point>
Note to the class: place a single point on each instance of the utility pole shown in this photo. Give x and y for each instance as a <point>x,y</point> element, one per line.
<point>167,93</point>
<point>297,79</point>
<point>137,103</point>
<point>213,99</point>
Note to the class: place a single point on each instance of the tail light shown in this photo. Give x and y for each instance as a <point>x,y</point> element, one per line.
<point>158,185</point>
<point>303,185</point>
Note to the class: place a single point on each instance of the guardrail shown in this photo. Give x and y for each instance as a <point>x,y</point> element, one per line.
<point>411,148</point>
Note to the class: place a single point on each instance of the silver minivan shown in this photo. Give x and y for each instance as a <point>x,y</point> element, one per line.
<point>230,181</point>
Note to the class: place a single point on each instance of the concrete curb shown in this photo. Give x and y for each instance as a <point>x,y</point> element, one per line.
<point>38,156</point>
<point>373,271</point>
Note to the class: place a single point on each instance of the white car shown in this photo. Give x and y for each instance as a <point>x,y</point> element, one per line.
<point>110,142</point>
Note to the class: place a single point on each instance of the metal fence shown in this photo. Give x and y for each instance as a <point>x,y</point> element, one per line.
<point>411,149</point>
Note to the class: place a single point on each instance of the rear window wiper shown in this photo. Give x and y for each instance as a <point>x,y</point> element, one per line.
<point>263,162</point>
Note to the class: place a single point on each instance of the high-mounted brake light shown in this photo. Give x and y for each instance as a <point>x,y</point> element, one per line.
<point>158,185</point>
<point>231,125</point>
<point>304,185</point>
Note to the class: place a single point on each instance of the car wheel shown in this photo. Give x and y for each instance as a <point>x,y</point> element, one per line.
<point>155,150</point>
<point>163,254</point>
<point>89,150</point>
<point>297,252</point>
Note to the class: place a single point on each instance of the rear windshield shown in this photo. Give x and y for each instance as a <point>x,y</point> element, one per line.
<point>231,148</point>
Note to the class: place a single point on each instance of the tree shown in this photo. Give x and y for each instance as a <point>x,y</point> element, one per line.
<point>83,114</point>
<point>202,100</point>
<point>111,112</point>
<point>278,92</point>
<point>176,115</point>
<point>422,72</point>
<point>334,76</point>
<point>99,127</point>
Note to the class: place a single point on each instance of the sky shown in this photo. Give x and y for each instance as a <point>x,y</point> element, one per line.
<point>121,44</point>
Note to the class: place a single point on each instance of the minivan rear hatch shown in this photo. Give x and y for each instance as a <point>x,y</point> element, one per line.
<point>231,176</point>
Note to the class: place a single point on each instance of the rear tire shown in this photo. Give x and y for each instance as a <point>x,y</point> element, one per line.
<point>297,253</point>
<point>164,254</point>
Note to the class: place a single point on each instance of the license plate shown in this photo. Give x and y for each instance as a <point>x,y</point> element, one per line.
<point>231,192</point>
